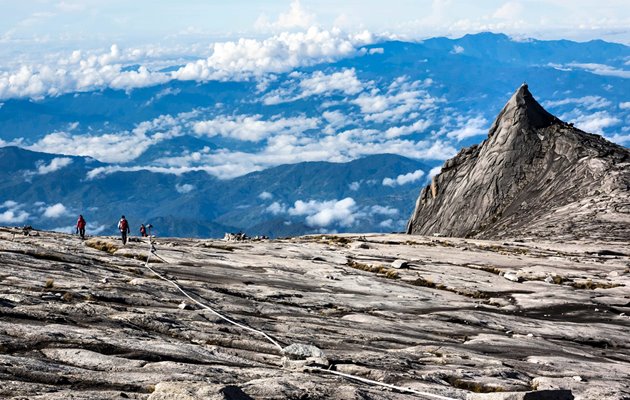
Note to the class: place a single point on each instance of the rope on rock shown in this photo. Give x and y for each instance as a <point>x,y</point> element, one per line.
<point>153,252</point>
<point>387,385</point>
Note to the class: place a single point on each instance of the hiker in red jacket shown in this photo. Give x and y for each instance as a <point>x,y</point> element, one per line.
<point>123,227</point>
<point>81,226</point>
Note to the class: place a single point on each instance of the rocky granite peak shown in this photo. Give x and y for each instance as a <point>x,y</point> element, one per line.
<point>534,175</point>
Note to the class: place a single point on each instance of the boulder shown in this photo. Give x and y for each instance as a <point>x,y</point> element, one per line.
<point>559,394</point>
<point>399,264</point>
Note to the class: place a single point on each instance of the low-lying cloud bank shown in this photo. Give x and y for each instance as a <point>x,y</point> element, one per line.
<point>244,59</point>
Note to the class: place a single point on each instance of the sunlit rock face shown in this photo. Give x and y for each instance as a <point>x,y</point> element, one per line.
<point>452,317</point>
<point>534,176</point>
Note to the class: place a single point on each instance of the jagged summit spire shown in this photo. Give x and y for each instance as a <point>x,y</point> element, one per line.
<point>537,115</point>
<point>523,109</point>
<point>530,175</point>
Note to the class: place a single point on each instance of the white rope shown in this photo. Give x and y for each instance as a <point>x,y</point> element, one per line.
<point>205,306</point>
<point>387,385</point>
<point>308,369</point>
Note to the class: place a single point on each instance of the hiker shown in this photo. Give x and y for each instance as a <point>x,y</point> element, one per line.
<point>81,226</point>
<point>123,227</point>
<point>143,230</point>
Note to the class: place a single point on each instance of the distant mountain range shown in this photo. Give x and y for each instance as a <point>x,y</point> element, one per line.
<point>196,204</point>
<point>337,146</point>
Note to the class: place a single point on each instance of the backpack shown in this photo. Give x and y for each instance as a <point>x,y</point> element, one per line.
<point>123,224</point>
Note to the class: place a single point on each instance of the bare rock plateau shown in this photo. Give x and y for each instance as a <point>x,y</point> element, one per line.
<point>432,317</point>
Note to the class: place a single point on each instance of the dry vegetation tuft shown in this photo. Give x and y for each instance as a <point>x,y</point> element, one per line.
<point>102,245</point>
<point>476,387</point>
<point>335,240</point>
<point>591,285</point>
<point>390,273</point>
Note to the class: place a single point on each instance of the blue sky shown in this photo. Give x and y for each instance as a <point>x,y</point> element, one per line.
<point>89,23</point>
<point>53,47</point>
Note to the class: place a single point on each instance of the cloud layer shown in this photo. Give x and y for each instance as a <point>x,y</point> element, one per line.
<point>232,60</point>
<point>404,179</point>
<point>12,212</point>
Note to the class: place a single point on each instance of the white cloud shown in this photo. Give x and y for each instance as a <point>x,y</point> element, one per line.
<point>112,147</point>
<point>280,53</point>
<point>376,50</point>
<point>265,196</point>
<point>55,211</point>
<point>416,127</point>
<point>105,148</point>
<point>77,73</point>
<point>185,188</point>
<point>336,120</point>
<point>475,126</point>
<point>326,213</point>
<point>55,164</point>
<point>401,99</point>
<point>318,83</point>
<point>168,91</point>
<point>589,102</point>
<point>625,105</point>
<point>253,128</point>
<point>82,71</point>
<point>354,186</point>
<point>13,213</point>
<point>296,17</point>
<point>383,210</point>
<point>9,204</point>
<point>111,169</point>
<point>619,138</point>
<point>404,179</point>
<point>602,69</point>
<point>596,122</point>
<point>345,82</point>
<point>13,216</point>
<point>277,208</point>
<point>457,50</point>
<point>434,171</point>
<point>388,223</point>
<point>289,149</point>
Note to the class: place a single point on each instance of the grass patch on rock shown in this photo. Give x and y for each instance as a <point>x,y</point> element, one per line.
<point>473,294</point>
<point>472,386</point>
<point>102,245</point>
<point>592,285</point>
<point>487,268</point>
<point>334,240</point>
<point>390,273</point>
<point>217,246</point>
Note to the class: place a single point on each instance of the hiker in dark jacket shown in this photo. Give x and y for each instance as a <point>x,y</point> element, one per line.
<point>143,230</point>
<point>123,227</point>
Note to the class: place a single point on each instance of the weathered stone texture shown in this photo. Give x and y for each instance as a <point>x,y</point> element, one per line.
<point>534,176</point>
<point>79,322</point>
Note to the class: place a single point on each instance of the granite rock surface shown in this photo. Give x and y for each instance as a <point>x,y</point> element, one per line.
<point>534,176</point>
<point>459,318</point>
